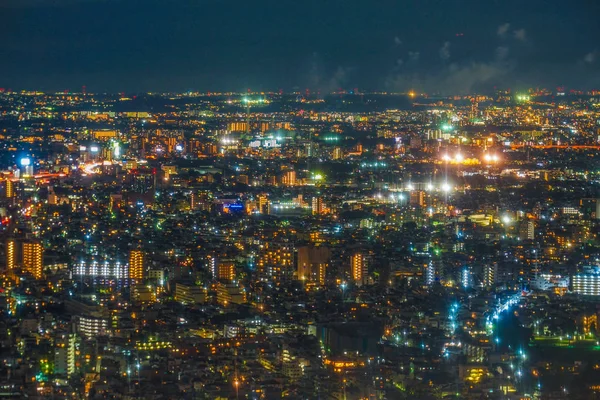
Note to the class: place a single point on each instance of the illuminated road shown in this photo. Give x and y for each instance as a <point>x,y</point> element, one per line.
<point>556,146</point>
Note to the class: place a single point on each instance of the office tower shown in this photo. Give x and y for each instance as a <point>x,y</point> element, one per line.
<point>64,354</point>
<point>136,265</point>
<point>313,263</point>
<point>317,206</point>
<point>33,258</point>
<point>359,268</point>
<point>11,255</point>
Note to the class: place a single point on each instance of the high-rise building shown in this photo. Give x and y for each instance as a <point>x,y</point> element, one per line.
<point>136,265</point>
<point>9,188</point>
<point>337,153</point>
<point>417,198</point>
<point>430,272</point>
<point>359,268</point>
<point>11,255</point>
<point>527,230</point>
<point>64,354</point>
<point>225,270</point>
<point>276,262</point>
<point>313,263</point>
<point>193,201</point>
<point>490,274</point>
<point>289,178</point>
<point>317,205</point>
<point>33,258</point>
<point>263,204</point>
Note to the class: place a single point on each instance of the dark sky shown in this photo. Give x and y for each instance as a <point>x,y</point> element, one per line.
<point>176,45</point>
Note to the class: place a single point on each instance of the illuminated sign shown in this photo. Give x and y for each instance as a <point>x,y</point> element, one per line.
<point>233,207</point>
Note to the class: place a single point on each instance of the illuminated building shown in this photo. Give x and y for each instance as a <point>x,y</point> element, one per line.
<point>143,293</point>
<point>359,268</point>
<point>588,322</point>
<point>275,262</point>
<point>490,274</point>
<point>190,294</point>
<point>466,277</point>
<point>11,255</point>
<point>337,153</point>
<point>33,258</point>
<point>136,265</point>
<point>587,283</point>
<point>9,189</point>
<point>237,126</point>
<point>527,230</point>
<point>104,134</point>
<point>230,293</point>
<point>290,365</point>
<point>104,271</point>
<point>91,326</point>
<point>317,206</point>
<point>289,178</point>
<point>430,272</point>
<point>417,198</point>
<point>224,270</point>
<point>263,204</point>
<point>64,354</point>
<point>312,264</point>
<point>193,201</point>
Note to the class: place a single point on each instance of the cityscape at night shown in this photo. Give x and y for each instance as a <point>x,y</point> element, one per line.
<point>321,200</point>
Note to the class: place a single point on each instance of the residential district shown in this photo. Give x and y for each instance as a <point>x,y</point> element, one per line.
<point>298,245</point>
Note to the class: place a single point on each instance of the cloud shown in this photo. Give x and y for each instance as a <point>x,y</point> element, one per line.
<point>466,77</point>
<point>445,51</point>
<point>338,80</point>
<point>590,57</point>
<point>520,34</point>
<point>503,29</point>
<point>456,78</point>
<point>397,41</point>
<point>399,62</point>
<point>502,52</point>
<point>413,56</point>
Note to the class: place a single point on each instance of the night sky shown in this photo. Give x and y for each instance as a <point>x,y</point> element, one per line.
<point>441,46</point>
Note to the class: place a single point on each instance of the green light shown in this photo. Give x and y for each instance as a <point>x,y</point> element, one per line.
<point>446,127</point>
